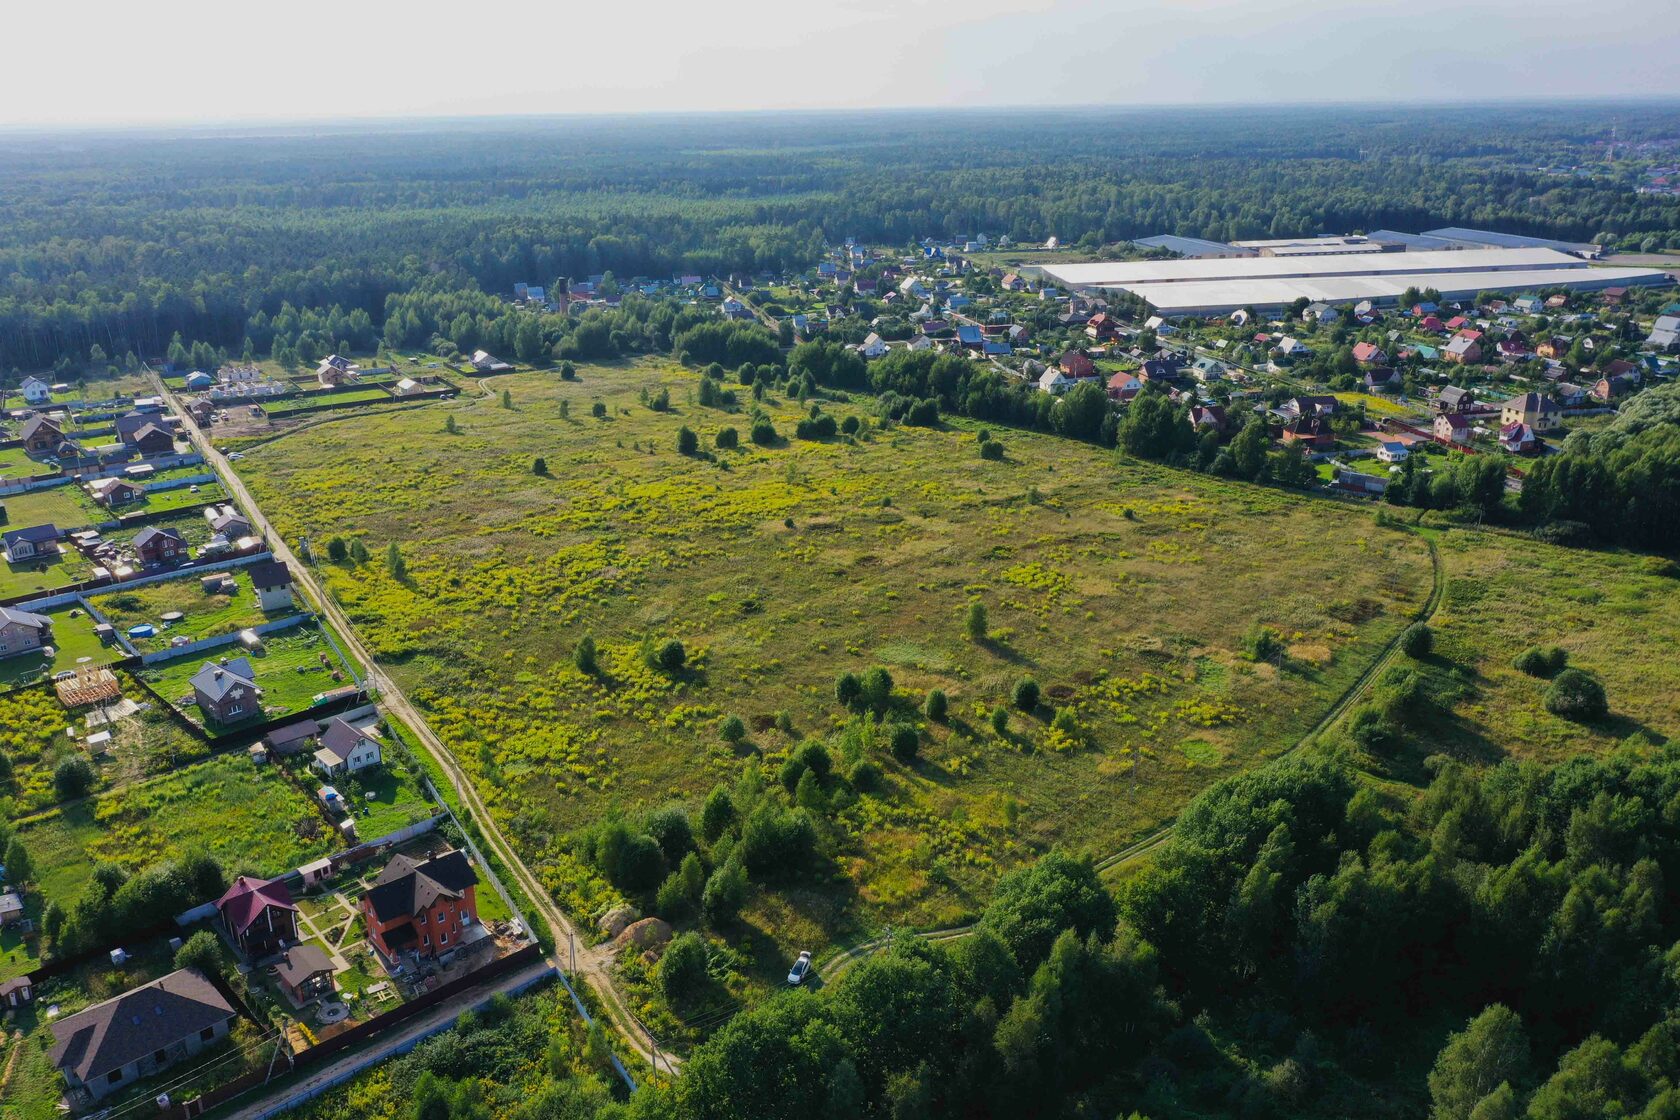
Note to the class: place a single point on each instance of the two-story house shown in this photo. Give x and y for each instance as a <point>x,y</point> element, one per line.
<point>421,906</point>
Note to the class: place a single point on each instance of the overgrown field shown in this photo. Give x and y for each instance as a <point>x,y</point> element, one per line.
<point>250,819</point>
<point>1125,590</point>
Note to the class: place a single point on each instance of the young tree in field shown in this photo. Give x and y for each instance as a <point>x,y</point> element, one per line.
<point>1025,694</point>
<point>568,372</point>
<point>449,424</point>
<point>848,690</point>
<point>394,561</point>
<point>583,655</point>
<point>905,742</point>
<point>507,398</point>
<point>565,409</point>
<point>732,730</point>
<point>539,466</point>
<point>975,621</point>
<point>687,442</point>
<point>1248,451</point>
<point>203,951</point>
<point>598,410</point>
<point>358,551</point>
<point>726,892</point>
<point>935,706</point>
<point>718,815</point>
<point>672,656</point>
<point>877,688</point>
<point>337,550</point>
<point>728,439</point>
<point>72,778</point>
<point>19,867</point>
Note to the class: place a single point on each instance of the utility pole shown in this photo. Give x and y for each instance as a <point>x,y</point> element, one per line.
<point>571,940</point>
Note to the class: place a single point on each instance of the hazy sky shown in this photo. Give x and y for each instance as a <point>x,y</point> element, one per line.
<point>100,62</point>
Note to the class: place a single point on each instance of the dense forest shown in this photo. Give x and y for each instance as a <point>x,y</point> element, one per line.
<point>123,241</point>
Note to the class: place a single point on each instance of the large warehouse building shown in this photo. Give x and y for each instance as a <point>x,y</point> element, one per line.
<point>1207,286</point>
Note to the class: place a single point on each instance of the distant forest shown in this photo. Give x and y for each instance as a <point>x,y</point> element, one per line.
<point>121,241</point>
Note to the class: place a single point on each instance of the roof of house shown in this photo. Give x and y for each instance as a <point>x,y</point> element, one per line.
<point>1366,351</point>
<point>126,1028</point>
<point>1461,345</point>
<point>244,902</point>
<point>10,615</point>
<point>300,962</point>
<point>36,534</point>
<point>36,423</point>
<point>270,573</point>
<point>1452,420</point>
<point>1453,394</point>
<point>145,536</point>
<point>293,733</point>
<point>340,738</point>
<point>216,680</point>
<point>406,886</point>
<point>1531,402</point>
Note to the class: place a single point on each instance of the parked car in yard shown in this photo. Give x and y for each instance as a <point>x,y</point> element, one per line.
<point>801,969</point>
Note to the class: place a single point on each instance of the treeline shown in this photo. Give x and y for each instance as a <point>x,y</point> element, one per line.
<point>124,242</point>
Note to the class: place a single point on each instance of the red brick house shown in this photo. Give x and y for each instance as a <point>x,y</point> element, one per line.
<point>160,546</point>
<point>1314,431</point>
<point>421,906</point>
<point>259,915</point>
<point>1077,365</point>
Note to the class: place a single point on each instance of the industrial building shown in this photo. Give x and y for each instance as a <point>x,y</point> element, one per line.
<point>1323,245</point>
<point>1485,239</point>
<point>1193,246</point>
<point>1118,274</point>
<point>1220,297</point>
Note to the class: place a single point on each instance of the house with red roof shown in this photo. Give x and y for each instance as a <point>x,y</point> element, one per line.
<point>1124,386</point>
<point>1368,354</point>
<point>1432,324</point>
<point>1077,365</point>
<point>259,915</point>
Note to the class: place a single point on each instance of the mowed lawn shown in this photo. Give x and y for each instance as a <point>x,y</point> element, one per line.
<point>249,817</point>
<point>293,667</point>
<point>1125,589</point>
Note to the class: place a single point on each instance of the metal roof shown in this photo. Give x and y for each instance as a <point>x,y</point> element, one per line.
<point>1114,274</point>
<point>1224,296</point>
<point>1192,246</point>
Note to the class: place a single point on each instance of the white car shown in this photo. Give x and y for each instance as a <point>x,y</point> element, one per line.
<point>801,969</point>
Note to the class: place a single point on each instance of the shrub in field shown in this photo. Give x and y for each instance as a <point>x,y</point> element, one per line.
<point>726,892</point>
<point>975,621</point>
<point>848,689</point>
<point>568,372</point>
<point>763,432</point>
<point>584,657</point>
<point>1373,731</point>
<point>687,442</point>
<point>670,829</point>
<point>598,410</point>
<point>1537,662</point>
<point>877,688</point>
<point>776,841</point>
<point>851,425</point>
<point>815,758</point>
<point>1417,640</point>
<point>1000,719</point>
<point>935,706</point>
<point>1576,695</point>
<point>337,550</point>
<point>865,776</point>
<point>203,951</point>
<point>1025,694</point>
<point>672,656</point>
<point>682,970</point>
<point>73,778</point>
<point>991,449</point>
<point>718,815</point>
<point>815,428</point>
<point>1264,644</point>
<point>539,466</point>
<point>732,730</point>
<point>905,742</point>
<point>728,439</point>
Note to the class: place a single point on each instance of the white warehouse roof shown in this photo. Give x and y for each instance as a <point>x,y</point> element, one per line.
<point>1192,246</point>
<point>1219,297</point>
<point>1115,274</point>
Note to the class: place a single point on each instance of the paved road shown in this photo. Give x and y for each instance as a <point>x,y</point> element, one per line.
<point>833,966</point>
<point>354,1060</point>
<point>594,963</point>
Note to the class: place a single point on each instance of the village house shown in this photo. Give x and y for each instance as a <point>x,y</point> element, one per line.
<point>141,1032</point>
<point>1536,410</point>
<point>111,492</point>
<point>17,992</point>
<point>22,632</point>
<point>1553,347</point>
<point>1518,439</point>
<point>292,738</point>
<point>1368,354</point>
<point>421,906</point>
<point>1124,386</point>
<point>1208,417</point>
<point>1613,387</point>
<point>1454,399</point>
<point>1076,365</point>
<point>41,435</point>
<point>227,522</point>
<point>1392,451</point>
<point>1012,282</point>
<point>1054,381</point>
<point>1462,350</point>
<point>273,582</point>
<point>1384,379</point>
<point>1452,428</point>
<point>227,693</point>
<point>1309,406</point>
<point>35,391</point>
<point>157,546</point>
<point>345,749</point>
<point>1313,431</point>
<point>197,381</point>
<point>259,915</point>
<point>1102,327</point>
<point>37,542</point>
<point>874,346</point>
<point>1568,395</point>
<point>485,362</point>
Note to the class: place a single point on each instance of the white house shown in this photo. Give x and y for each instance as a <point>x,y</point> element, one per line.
<point>273,581</point>
<point>345,749</point>
<point>1054,381</point>
<point>36,391</point>
<point>872,347</point>
<point>1391,452</point>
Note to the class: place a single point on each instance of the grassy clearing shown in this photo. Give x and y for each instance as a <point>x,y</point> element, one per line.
<point>1123,588</point>
<point>248,817</point>
<point>290,671</point>
<point>181,497</point>
<point>67,507</point>
<point>1617,615</point>
<point>43,577</point>
<point>205,616</point>
<point>296,406</point>
<point>73,640</point>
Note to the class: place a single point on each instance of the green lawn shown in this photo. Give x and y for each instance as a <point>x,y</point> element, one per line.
<point>66,506</point>
<point>249,817</point>
<point>181,497</point>
<point>325,401</point>
<point>73,639</point>
<point>205,616</point>
<point>289,672</point>
<point>1124,588</point>
<point>396,799</point>
<point>42,577</point>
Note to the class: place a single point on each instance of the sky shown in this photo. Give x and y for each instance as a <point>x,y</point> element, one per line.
<point>98,62</point>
